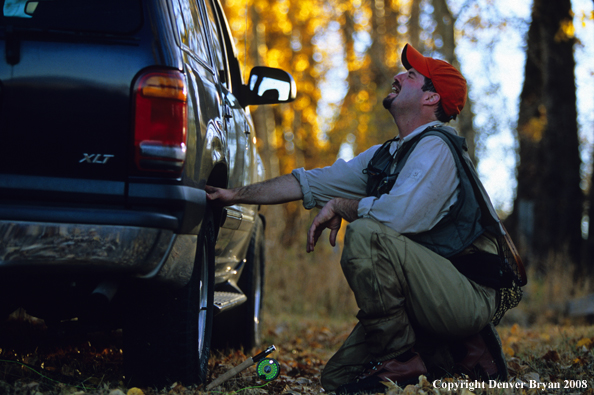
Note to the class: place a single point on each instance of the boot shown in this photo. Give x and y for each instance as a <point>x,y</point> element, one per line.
<point>482,358</point>
<point>401,373</point>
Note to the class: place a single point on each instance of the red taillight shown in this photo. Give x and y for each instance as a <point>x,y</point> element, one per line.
<point>160,122</point>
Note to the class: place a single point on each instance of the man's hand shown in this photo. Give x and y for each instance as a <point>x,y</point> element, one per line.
<point>219,196</point>
<point>330,216</point>
<point>326,218</point>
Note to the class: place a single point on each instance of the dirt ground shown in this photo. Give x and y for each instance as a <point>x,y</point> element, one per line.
<point>549,359</point>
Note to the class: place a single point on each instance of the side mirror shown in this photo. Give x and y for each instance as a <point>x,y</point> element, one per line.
<point>268,85</point>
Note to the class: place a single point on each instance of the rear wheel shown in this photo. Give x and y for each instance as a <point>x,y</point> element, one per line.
<point>167,334</point>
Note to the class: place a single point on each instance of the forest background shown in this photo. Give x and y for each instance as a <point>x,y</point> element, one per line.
<point>529,122</point>
<point>529,119</point>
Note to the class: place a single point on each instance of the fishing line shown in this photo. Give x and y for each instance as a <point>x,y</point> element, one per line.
<point>44,376</point>
<point>242,389</point>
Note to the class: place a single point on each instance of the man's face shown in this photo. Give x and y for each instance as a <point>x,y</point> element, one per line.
<point>406,91</point>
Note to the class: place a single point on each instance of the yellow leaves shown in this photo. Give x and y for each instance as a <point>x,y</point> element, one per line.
<point>509,343</point>
<point>301,63</point>
<point>586,17</point>
<point>310,115</point>
<point>302,102</point>
<point>275,57</point>
<point>566,31</point>
<point>261,5</point>
<point>362,96</point>
<point>304,13</point>
<point>585,343</point>
<point>515,329</point>
<point>285,26</point>
<point>365,103</point>
<point>535,127</point>
<point>424,386</point>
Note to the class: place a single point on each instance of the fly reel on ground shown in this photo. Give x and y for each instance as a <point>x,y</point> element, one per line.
<point>268,369</point>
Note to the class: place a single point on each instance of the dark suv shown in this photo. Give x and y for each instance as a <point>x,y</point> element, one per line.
<point>114,115</point>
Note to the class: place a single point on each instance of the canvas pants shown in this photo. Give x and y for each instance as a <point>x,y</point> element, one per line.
<point>401,287</point>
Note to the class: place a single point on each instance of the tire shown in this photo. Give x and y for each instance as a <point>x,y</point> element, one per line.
<point>167,335</point>
<point>241,327</point>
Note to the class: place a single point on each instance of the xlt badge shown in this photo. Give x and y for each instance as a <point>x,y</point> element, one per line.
<point>95,158</point>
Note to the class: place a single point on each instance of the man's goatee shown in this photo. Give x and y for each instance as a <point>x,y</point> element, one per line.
<point>388,102</point>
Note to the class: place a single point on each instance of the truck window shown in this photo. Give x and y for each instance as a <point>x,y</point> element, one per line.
<point>190,28</point>
<point>218,49</point>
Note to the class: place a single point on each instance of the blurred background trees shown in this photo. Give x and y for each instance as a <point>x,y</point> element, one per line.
<point>549,203</point>
<point>343,55</point>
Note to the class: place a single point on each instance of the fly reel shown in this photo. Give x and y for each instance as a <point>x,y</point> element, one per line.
<point>268,369</point>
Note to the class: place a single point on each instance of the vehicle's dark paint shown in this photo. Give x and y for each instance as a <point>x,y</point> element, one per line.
<point>99,221</point>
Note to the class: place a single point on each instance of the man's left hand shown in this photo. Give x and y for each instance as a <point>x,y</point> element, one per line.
<point>330,216</point>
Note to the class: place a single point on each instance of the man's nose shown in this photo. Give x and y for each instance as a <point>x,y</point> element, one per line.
<point>398,77</point>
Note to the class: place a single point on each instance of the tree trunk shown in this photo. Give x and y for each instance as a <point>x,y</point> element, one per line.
<point>548,207</point>
<point>589,252</point>
<point>414,25</point>
<point>445,28</point>
<point>562,208</point>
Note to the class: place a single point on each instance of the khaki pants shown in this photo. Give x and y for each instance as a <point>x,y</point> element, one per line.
<point>401,286</point>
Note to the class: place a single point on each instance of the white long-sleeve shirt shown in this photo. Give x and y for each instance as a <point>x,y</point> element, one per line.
<point>422,195</point>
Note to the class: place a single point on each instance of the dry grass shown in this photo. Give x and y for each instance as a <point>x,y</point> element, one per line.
<point>313,284</point>
<point>547,294</point>
<point>301,283</point>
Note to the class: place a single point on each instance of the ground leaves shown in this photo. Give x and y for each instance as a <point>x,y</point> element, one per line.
<point>544,356</point>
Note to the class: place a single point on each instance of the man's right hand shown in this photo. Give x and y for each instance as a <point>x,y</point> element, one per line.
<point>220,196</point>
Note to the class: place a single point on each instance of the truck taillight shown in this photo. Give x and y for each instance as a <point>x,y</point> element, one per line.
<point>160,122</point>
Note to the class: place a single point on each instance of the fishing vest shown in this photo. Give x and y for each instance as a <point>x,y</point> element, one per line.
<point>469,216</point>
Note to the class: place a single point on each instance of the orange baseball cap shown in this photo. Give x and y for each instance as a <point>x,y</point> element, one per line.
<point>447,80</point>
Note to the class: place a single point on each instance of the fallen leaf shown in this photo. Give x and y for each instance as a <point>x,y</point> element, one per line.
<point>532,376</point>
<point>552,356</point>
<point>585,342</point>
<point>515,329</point>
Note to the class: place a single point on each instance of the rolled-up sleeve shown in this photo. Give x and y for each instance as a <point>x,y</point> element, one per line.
<point>344,179</point>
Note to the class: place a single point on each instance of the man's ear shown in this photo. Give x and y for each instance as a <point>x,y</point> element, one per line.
<point>431,98</point>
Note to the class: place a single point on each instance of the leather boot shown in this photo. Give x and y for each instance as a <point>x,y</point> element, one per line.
<point>478,363</point>
<point>370,381</point>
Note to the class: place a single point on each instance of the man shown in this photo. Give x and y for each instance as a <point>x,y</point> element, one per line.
<point>412,212</point>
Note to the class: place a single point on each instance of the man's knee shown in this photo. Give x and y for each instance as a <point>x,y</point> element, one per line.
<point>361,226</point>
<point>361,237</point>
<point>358,239</point>
<point>359,233</point>
<point>368,226</point>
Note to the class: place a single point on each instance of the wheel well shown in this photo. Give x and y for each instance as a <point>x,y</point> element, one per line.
<point>218,178</point>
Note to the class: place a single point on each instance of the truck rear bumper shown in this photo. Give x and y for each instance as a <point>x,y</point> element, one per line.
<point>131,250</point>
<point>150,235</point>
